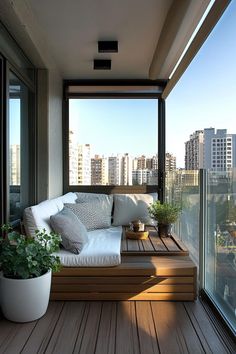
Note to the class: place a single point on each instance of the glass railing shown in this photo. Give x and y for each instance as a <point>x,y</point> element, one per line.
<point>182,187</point>
<point>220,242</point>
<point>208,201</point>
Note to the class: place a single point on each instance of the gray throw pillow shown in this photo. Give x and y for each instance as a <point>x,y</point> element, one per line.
<point>94,214</point>
<point>72,231</point>
<point>88,197</point>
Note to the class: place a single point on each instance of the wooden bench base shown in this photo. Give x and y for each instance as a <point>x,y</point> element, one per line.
<point>136,278</point>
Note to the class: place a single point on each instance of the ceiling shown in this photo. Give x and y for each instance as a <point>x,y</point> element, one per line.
<point>152,34</point>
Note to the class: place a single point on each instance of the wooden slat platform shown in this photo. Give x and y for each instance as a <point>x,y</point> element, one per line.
<point>136,278</point>
<point>118,328</point>
<point>153,245</point>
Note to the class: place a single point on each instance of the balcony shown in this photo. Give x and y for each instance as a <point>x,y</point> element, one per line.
<point>47,50</point>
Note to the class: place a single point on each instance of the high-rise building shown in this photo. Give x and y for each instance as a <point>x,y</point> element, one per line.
<point>15,165</point>
<point>84,165</point>
<point>152,163</point>
<point>73,159</point>
<point>141,176</point>
<point>126,170</point>
<point>210,149</point>
<point>194,151</point>
<point>219,150</point>
<point>114,170</point>
<point>99,170</point>
<point>141,162</point>
<point>170,162</point>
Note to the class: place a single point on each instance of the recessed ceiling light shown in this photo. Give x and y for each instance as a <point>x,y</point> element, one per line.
<point>108,46</point>
<point>102,64</point>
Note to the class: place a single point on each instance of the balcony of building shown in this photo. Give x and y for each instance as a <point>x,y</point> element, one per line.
<point>49,52</point>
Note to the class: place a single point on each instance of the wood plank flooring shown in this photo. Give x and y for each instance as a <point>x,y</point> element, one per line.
<point>125,327</point>
<point>153,245</point>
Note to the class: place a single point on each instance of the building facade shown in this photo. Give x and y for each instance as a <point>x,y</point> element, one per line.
<point>211,149</point>
<point>15,165</point>
<point>84,165</point>
<point>194,151</point>
<point>99,170</point>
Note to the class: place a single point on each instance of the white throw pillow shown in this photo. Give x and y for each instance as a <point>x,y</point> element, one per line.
<point>128,207</point>
<point>73,232</point>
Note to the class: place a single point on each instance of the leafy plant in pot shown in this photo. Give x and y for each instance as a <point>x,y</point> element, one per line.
<point>26,264</point>
<point>165,215</point>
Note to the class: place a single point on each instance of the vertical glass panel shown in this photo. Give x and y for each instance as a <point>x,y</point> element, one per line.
<point>18,146</point>
<point>113,141</point>
<point>182,188</point>
<point>201,132</point>
<point>220,273</point>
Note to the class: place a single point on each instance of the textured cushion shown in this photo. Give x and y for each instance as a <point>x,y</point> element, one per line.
<point>37,217</point>
<point>72,231</point>
<point>88,197</point>
<point>128,207</point>
<point>94,214</point>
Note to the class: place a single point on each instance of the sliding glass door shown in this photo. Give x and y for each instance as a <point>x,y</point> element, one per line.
<point>20,149</point>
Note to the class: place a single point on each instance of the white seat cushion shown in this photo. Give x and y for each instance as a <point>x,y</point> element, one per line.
<point>102,250</point>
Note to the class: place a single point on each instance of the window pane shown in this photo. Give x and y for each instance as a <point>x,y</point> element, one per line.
<point>220,243</point>
<point>18,146</point>
<point>113,141</point>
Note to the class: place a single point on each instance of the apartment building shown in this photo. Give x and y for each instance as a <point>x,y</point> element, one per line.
<point>126,170</point>
<point>15,165</point>
<point>84,165</point>
<point>99,170</point>
<point>194,151</point>
<point>211,149</point>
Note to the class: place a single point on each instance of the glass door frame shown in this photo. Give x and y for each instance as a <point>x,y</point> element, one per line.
<point>5,68</point>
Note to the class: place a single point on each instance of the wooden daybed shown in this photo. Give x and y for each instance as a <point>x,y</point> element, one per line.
<point>152,269</point>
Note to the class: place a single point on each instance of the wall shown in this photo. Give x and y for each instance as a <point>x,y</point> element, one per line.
<point>22,25</point>
<point>55,135</point>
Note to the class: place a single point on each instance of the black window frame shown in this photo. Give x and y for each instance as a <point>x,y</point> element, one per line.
<point>108,189</point>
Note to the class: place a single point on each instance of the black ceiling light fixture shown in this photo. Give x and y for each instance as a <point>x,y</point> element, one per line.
<point>102,64</point>
<point>107,46</point>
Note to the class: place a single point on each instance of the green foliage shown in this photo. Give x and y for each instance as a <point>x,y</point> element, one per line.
<point>232,212</point>
<point>221,240</point>
<point>164,213</point>
<point>23,257</point>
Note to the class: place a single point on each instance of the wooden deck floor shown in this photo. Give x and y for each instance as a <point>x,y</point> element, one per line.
<point>117,327</point>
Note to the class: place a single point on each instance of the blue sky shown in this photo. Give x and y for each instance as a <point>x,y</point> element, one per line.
<point>204,97</point>
<point>116,125</point>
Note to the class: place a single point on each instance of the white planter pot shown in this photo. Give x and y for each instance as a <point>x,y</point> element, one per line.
<point>25,300</point>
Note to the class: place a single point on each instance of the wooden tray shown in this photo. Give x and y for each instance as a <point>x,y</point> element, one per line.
<point>139,235</point>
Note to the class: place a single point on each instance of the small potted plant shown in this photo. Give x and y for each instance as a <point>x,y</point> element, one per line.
<point>165,215</point>
<point>26,264</point>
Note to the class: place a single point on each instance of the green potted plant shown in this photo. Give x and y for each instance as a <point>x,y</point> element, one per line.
<point>26,264</point>
<point>165,215</point>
